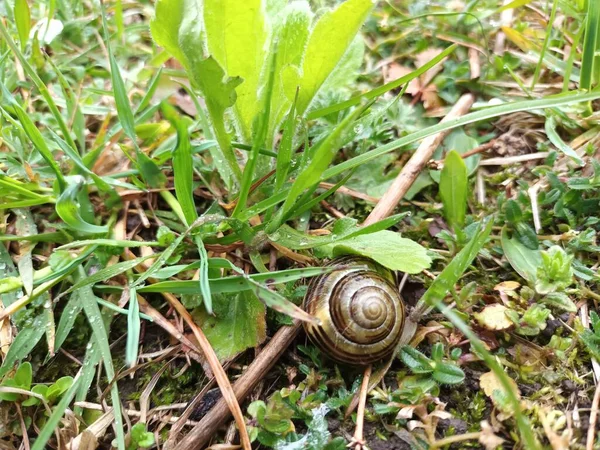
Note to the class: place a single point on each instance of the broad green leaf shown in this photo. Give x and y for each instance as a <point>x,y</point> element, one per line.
<point>57,414</point>
<point>348,67</point>
<point>415,360</point>
<point>388,249</point>
<point>453,189</point>
<point>22,21</point>
<point>56,390</point>
<point>328,42</point>
<point>67,207</point>
<point>238,323</point>
<point>446,373</point>
<point>292,36</point>
<point>461,142</point>
<point>23,376</point>
<point>236,34</point>
<point>524,260</point>
<point>560,300</point>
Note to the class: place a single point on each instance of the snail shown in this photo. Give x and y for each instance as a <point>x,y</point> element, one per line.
<point>360,310</point>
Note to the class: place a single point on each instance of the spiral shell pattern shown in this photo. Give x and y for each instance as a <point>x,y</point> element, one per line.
<point>360,310</point>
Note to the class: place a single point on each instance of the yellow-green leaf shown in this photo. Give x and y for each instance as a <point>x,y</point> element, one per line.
<point>328,42</point>
<point>236,34</point>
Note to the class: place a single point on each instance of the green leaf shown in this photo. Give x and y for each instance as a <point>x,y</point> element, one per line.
<point>57,413</point>
<point>238,323</point>
<point>487,113</point>
<point>415,360</point>
<point>235,283</point>
<point>183,166</point>
<point>447,373</point>
<point>22,21</point>
<point>555,138</point>
<point>376,92</point>
<point>524,260</point>
<point>560,300</point>
<point>106,273</point>
<point>388,249</point>
<point>345,228</point>
<point>141,437</point>
<point>177,26</point>
<point>34,135</point>
<point>446,280</point>
<point>328,42</point>
<point>590,61</point>
<point>56,390</point>
<point>291,34</point>
<point>67,207</point>
<point>148,169</point>
<point>236,35</point>
<point>322,157</point>
<point>40,389</point>
<point>133,329</point>
<point>27,338</point>
<point>23,376</point>
<point>95,319</point>
<point>67,320</point>
<point>453,189</point>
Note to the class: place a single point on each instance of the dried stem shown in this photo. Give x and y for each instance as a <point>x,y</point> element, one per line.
<point>415,165</point>
<point>256,371</point>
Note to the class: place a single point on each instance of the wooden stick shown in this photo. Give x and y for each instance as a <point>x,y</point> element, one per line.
<point>415,165</point>
<point>359,439</point>
<point>256,371</point>
<point>591,435</point>
<point>229,397</point>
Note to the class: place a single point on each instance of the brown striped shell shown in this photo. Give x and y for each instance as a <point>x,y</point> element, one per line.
<point>360,310</point>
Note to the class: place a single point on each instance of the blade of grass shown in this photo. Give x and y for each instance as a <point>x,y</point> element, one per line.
<point>261,127</point>
<point>57,414</point>
<point>24,342</point>
<point>591,44</point>
<point>133,329</point>
<point>148,169</point>
<point>234,283</point>
<point>321,158</point>
<point>374,93</point>
<point>488,113</point>
<point>34,135</point>
<point>32,73</point>
<point>538,67</point>
<point>96,321</point>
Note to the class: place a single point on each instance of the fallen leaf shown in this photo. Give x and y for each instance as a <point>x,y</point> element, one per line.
<point>488,438</point>
<point>493,317</point>
<point>507,286</point>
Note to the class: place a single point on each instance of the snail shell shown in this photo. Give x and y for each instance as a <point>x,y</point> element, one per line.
<point>360,310</point>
